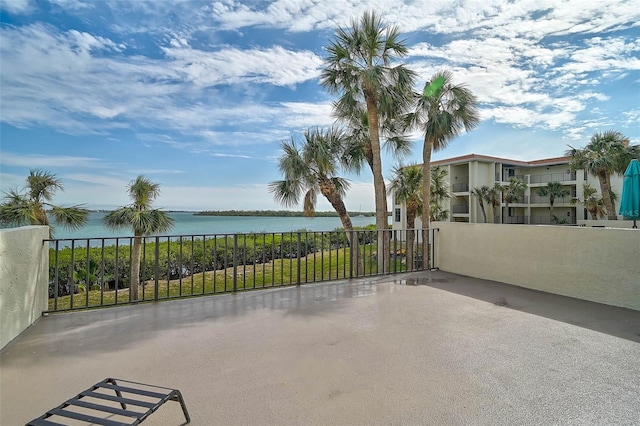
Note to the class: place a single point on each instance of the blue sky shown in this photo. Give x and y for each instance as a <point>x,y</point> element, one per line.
<point>198,95</point>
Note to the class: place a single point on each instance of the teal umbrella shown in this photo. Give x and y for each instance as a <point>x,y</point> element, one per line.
<point>630,200</point>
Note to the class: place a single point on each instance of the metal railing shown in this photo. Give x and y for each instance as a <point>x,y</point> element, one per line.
<point>97,272</point>
<point>460,208</point>
<point>542,199</point>
<point>516,219</point>
<point>556,220</point>
<point>460,187</point>
<point>552,177</point>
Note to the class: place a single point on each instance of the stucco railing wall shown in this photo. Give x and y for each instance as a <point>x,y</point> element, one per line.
<point>597,264</point>
<point>24,277</point>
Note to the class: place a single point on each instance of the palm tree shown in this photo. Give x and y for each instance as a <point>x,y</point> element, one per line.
<point>439,193</point>
<point>406,186</point>
<point>142,219</point>
<point>606,153</point>
<point>359,68</point>
<point>513,191</point>
<point>482,194</point>
<point>356,124</point>
<point>441,117</point>
<point>591,201</point>
<point>553,190</point>
<point>494,198</point>
<point>33,207</point>
<point>312,169</point>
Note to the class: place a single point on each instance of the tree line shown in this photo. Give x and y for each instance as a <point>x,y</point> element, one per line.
<point>274,213</point>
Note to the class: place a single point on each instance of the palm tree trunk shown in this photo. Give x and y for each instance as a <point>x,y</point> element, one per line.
<point>484,213</point>
<point>382,217</point>
<point>551,210</point>
<point>605,188</point>
<point>426,196</point>
<point>134,281</point>
<point>613,202</point>
<point>328,190</point>
<point>508,216</point>
<point>411,235</point>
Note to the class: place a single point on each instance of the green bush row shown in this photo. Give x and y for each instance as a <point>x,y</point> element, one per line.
<point>109,267</point>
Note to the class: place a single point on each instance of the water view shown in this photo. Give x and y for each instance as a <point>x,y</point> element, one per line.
<point>186,223</point>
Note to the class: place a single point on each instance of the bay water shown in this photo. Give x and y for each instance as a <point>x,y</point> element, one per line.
<point>186,223</point>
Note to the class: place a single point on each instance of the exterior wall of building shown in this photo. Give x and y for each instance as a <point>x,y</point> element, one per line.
<point>24,279</point>
<point>596,264</point>
<point>468,173</point>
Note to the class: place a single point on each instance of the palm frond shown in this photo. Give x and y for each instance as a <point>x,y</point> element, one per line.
<point>41,185</point>
<point>15,209</point>
<point>286,192</point>
<point>71,218</point>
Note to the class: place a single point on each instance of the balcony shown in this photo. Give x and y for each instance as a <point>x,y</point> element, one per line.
<point>369,351</point>
<point>411,348</point>
<point>552,177</point>
<point>460,209</point>
<point>460,187</point>
<point>539,199</point>
<point>516,219</point>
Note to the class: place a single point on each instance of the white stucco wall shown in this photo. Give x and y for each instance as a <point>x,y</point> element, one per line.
<point>24,277</point>
<point>597,264</point>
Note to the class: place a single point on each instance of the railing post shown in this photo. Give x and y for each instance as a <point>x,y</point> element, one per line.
<point>156,272</point>
<point>352,246</point>
<point>235,262</point>
<point>395,252</point>
<point>299,256</point>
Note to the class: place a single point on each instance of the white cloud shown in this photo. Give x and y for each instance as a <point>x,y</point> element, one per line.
<point>275,65</point>
<point>48,161</point>
<point>16,6</point>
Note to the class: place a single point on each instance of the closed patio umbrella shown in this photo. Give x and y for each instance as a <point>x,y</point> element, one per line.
<point>630,200</point>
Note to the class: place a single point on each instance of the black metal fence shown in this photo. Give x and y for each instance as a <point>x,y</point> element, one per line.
<point>97,272</point>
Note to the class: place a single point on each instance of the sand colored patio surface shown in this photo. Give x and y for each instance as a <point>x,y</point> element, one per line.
<point>421,348</point>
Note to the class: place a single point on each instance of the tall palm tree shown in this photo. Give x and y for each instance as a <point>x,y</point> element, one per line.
<point>606,153</point>
<point>143,219</point>
<point>441,117</point>
<point>359,67</point>
<point>33,207</point>
<point>482,194</point>
<point>391,131</point>
<point>494,198</point>
<point>553,190</point>
<point>439,194</point>
<point>591,201</point>
<point>513,191</point>
<point>406,186</point>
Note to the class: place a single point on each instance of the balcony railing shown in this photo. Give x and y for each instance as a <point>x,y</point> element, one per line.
<point>516,219</point>
<point>460,187</point>
<point>539,199</point>
<point>524,199</point>
<point>96,272</point>
<point>553,177</point>
<point>460,208</point>
<point>548,220</point>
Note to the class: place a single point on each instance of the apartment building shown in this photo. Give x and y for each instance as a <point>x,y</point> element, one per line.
<point>473,171</point>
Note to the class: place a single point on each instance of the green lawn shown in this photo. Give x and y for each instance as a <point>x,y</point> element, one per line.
<point>320,266</point>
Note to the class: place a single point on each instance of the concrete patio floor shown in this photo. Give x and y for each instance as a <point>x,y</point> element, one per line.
<point>421,348</point>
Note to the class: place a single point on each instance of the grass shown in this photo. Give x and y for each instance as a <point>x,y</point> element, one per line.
<point>315,267</point>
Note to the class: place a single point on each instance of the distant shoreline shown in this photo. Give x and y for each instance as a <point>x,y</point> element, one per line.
<point>275,213</point>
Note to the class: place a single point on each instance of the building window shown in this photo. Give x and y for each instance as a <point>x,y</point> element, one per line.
<point>397,215</point>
